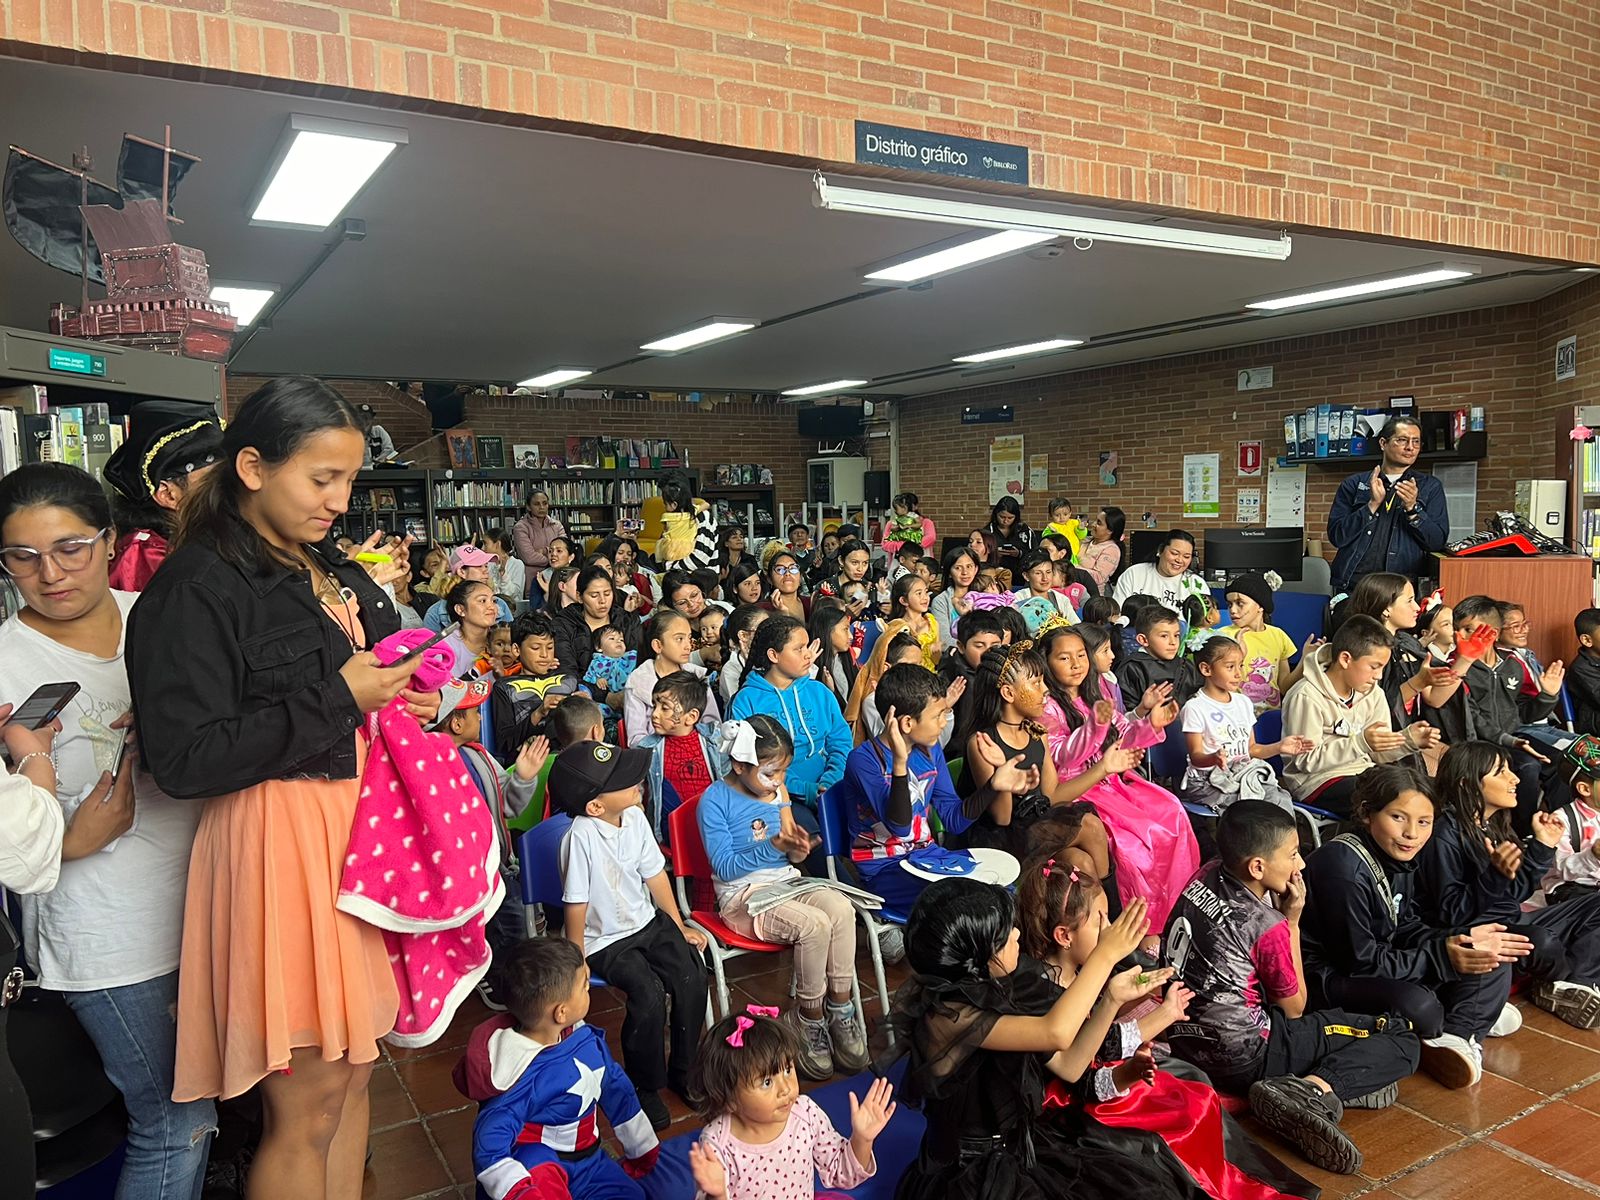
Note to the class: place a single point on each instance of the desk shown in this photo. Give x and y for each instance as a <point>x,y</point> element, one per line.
<point>1552,589</point>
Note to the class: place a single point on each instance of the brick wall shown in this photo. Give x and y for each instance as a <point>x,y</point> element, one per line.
<point>1153,413</point>
<point>1450,121</point>
<point>731,431</point>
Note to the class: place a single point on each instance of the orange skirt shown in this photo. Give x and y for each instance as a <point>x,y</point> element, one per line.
<point>269,964</point>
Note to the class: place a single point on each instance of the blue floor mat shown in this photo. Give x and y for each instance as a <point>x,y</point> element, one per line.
<point>895,1149</point>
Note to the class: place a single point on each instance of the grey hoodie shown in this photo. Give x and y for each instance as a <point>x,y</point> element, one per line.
<point>1313,709</point>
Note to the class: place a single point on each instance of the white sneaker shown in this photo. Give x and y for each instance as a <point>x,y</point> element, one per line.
<point>1575,1003</point>
<point>1507,1023</point>
<point>1456,1062</point>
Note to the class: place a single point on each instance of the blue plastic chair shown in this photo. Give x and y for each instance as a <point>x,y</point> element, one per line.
<point>835,826</point>
<point>1565,708</point>
<point>539,851</point>
<point>1318,819</point>
<point>1168,759</point>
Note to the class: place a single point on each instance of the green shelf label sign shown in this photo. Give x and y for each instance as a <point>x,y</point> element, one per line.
<point>77,362</point>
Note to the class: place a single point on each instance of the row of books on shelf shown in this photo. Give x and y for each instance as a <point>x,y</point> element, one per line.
<point>1589,531</point>
<point>83,435</point>
<point>1589,468</point>
<point>468,451</point>
<point>1336,431</point>
<point>508,494</point>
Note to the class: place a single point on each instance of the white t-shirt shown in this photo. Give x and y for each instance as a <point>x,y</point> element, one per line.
<point>1145,579</point>
<point>1225,727</point>
<point>605,866</point>
<point>116,917</point>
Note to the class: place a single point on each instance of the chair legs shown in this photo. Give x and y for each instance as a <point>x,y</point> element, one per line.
<point>873,928</point>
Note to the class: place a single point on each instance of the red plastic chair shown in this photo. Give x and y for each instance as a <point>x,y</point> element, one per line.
<point>689,862</point>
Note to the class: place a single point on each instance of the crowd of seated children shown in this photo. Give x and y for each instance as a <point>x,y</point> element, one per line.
<point>521,703</point>
<point>684,746</point>
<point>1226,763</point>
<point>669,638</point>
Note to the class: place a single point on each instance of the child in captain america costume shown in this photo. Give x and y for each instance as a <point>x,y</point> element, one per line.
<point>541,1078</point>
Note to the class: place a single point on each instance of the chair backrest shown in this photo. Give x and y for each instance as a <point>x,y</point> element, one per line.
<point>689,857</point>
<point>539,851</point>
<point>1566,708</point>
<point>834,821</point>
<point>535,812</point>
<point>1169,758</point>
<point>1269,726</point>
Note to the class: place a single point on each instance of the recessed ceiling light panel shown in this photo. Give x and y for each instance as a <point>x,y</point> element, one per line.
<point>556,376</point>
<point>244,300</point>
<point>1364,287</point>
<point>823,389</point>
<point>712,329</point>
<point>319,167</point>
<point>959,256</point>
<point>1022,351</point>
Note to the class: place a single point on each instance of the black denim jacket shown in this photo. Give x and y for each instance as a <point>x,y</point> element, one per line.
<point>235,677</point>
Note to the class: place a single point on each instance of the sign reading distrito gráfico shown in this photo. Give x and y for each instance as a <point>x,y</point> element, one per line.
<point>940,153</point>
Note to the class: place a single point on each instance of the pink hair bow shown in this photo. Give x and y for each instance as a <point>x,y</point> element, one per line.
<point>742,1024</point>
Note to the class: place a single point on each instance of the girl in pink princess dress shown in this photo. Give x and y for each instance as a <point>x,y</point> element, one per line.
<point>1095,749</point>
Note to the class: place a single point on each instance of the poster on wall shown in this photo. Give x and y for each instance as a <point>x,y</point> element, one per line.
<point>1202,486</point>
<point>1286,495</point>
<point>1110,460</point>
<point>1248,506</point>
<point>1007,470</point>
<point>1038,472</point>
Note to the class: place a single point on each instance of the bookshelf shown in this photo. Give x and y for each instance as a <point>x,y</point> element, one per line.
<point>452,505</point>
<point>1585,488</point>
<point>753,506</point>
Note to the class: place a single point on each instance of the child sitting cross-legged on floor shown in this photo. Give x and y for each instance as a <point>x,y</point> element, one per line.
<point>1234,938</point>
<point>620,911</point>
<point>1477,870</point>
<point>763,1140</point>
<point>752,840</point>
<point>540,1075</point>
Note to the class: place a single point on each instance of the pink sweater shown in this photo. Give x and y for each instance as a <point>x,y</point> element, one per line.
<point>784,1168</point>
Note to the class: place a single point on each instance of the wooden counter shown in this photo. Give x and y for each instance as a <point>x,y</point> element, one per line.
<point>1552,589</point>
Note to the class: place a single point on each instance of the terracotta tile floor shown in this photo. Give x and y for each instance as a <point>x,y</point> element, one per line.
<point>1529,1131</point>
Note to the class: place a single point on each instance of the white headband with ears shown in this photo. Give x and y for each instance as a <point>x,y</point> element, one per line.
<point>737,741</point>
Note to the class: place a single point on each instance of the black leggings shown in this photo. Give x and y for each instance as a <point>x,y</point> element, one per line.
<point>1465,1007</point>
<point>1566,940</point>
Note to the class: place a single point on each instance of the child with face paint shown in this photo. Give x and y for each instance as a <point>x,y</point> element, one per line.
<point>735,815</point>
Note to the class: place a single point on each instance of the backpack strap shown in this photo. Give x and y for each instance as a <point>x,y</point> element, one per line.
<point>1379,879</point>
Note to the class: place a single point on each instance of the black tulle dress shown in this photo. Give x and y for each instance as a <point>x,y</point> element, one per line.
<point>984,1138</point>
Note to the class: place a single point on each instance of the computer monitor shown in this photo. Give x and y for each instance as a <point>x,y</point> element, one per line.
<point>1230,552</point>
<point>1143,545</point>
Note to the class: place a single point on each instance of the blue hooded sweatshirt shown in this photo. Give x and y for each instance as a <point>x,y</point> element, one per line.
<point>808,710</point>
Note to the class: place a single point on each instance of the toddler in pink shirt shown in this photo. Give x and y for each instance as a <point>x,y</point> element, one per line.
<point>763,1140</point>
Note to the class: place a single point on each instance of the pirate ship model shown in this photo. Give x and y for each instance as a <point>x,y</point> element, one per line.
<point>158,293</point>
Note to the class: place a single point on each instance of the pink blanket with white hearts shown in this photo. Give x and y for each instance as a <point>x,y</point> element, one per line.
<point>422,863</point>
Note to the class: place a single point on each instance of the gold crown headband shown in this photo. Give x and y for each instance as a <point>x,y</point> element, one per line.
<point>1012,655</point>
<point>161,442</point>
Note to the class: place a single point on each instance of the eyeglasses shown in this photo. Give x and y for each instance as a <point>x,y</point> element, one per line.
<point>1516,627</point>
<point>1405,441</point>
<point>70,554</point>
<point>786,570</point>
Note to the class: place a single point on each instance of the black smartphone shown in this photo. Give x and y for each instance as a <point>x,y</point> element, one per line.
<point>45,705</point>
<point>414,654</point>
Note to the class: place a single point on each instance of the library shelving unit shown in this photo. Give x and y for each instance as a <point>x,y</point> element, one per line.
<point>754,506</point>
<point>450,506</point>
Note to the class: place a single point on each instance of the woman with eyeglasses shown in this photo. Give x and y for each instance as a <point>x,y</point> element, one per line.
<point>783,584</point>
<point>108,935</point>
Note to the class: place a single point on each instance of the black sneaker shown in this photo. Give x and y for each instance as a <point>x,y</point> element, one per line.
<point>1382,1098</point>
<point>1307,1118</point>
<point>655,1108</point>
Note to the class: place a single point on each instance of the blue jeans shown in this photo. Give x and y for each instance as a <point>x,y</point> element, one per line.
<point>136,1031</point>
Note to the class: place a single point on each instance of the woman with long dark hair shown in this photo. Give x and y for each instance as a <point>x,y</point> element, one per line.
<point>597,605</point>
<point>830,631</point>
<point>1477,870</point>
<point>960,570</point>
<point>784,577</point>
<point>1101,554</point>
<point>1012,538</point>
<point>106,937</point>
<point>260,708</point>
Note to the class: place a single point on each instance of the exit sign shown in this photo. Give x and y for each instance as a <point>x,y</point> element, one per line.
<point>76,362</point>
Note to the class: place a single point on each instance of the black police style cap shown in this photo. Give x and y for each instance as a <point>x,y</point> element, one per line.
<point>586,769</point>
<point>166,439</point>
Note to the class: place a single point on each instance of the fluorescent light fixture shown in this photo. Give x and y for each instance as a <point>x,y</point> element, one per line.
<point>1043,221</point>
<point>964,254</point>
<point>822,389</point>
<point>983,356</point>
<point>244,300</point>
<point>1364,287</point>
<point>556,376</point>
<point>318,168</point>
<point>712,329</point>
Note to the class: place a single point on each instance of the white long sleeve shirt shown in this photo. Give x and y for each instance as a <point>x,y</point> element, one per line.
<point>31,828</point>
